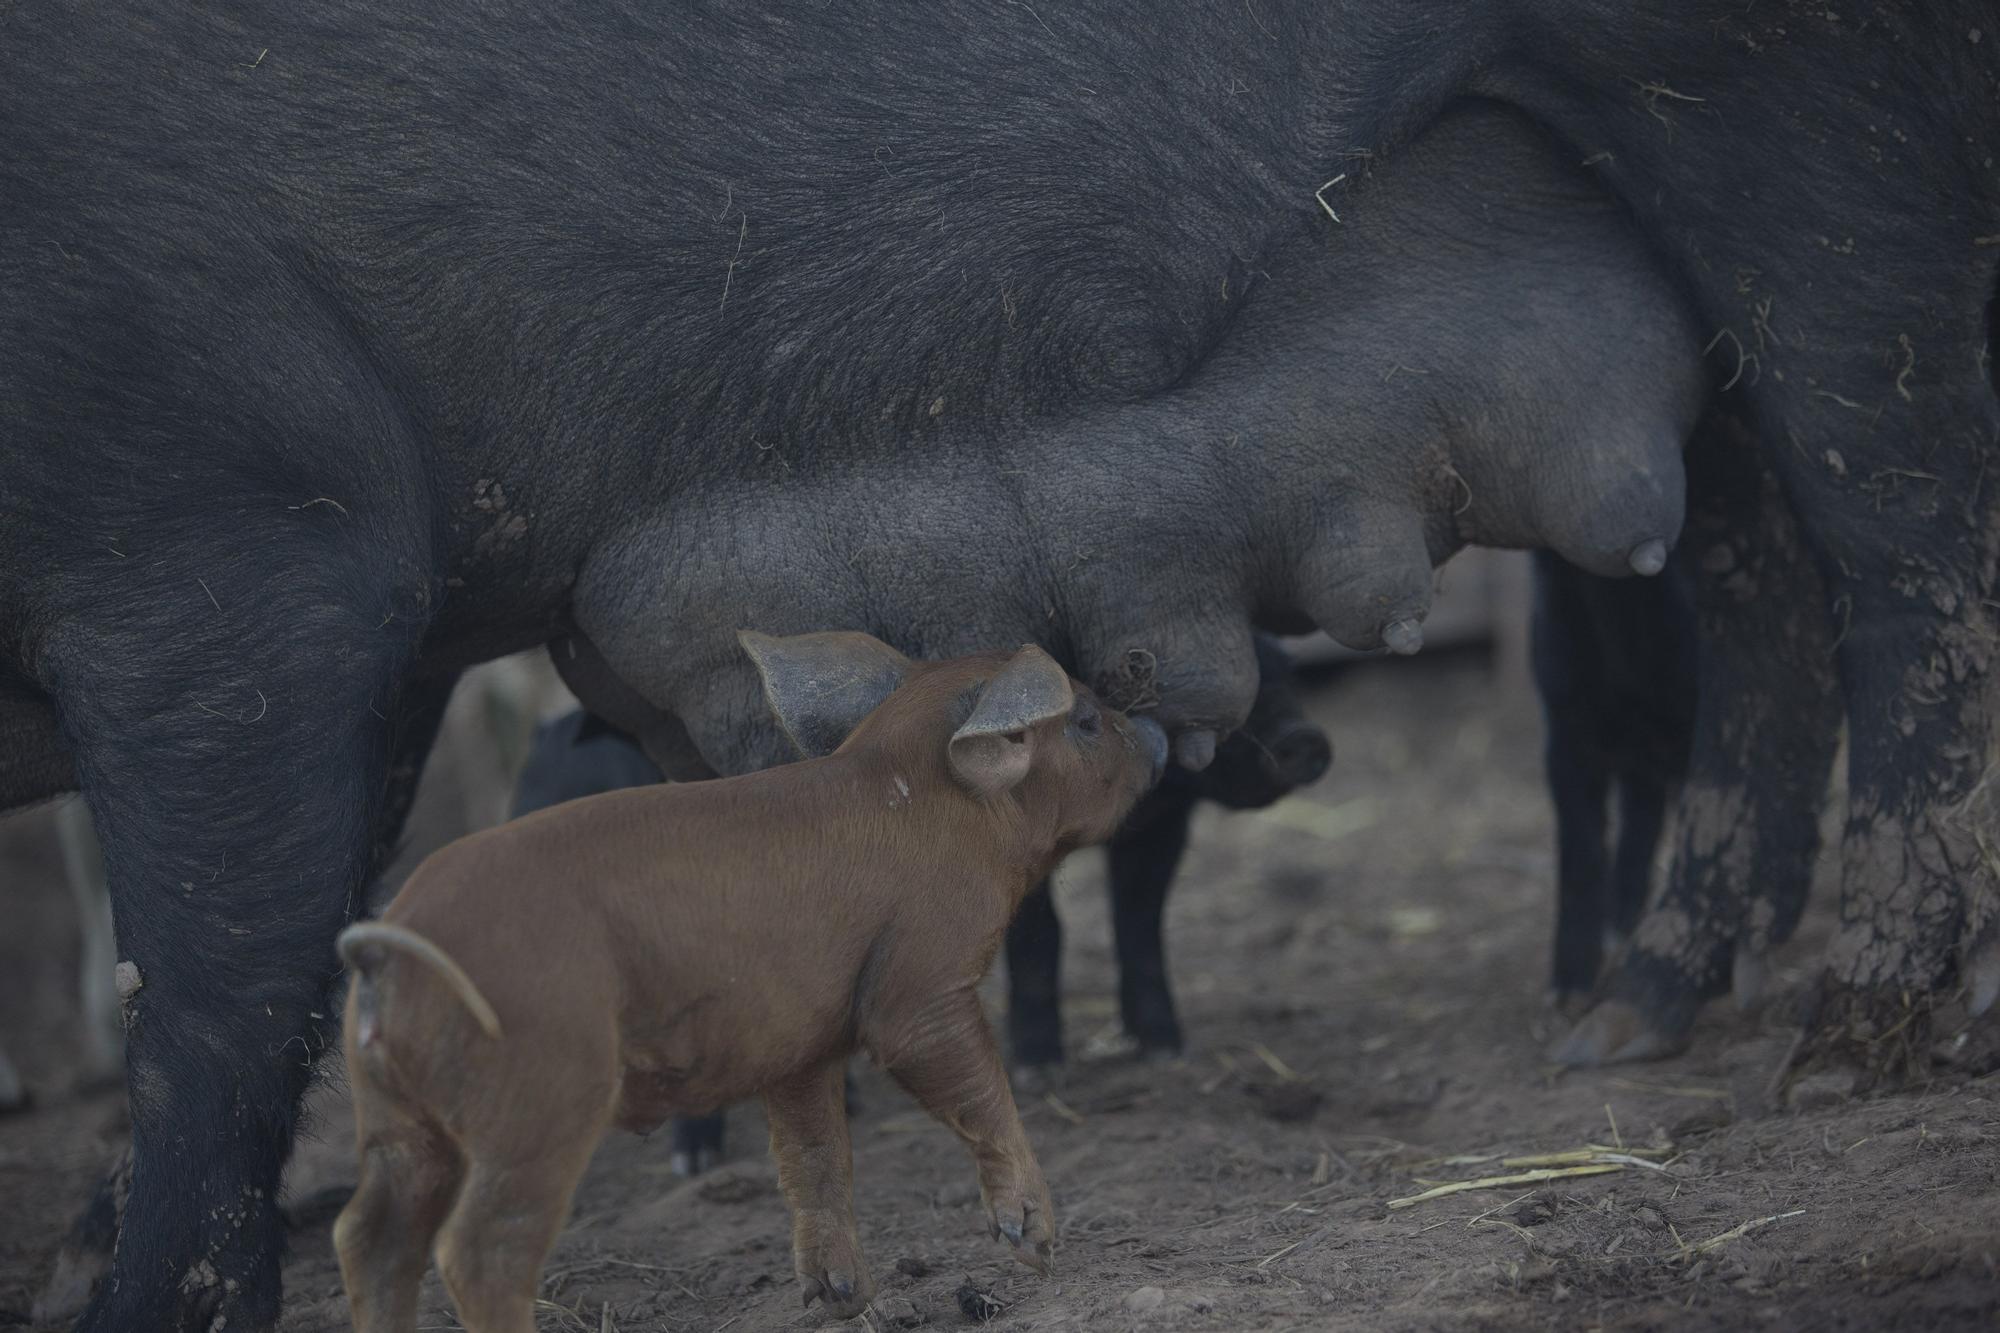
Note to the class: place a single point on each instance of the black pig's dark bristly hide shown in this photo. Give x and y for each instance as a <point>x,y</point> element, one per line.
<point>344,345</point>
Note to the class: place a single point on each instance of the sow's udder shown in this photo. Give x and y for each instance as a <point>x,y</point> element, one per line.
<point>937,574</point>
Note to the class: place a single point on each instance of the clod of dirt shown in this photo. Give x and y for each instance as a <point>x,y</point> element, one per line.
<point>1297,886</point>
<point>733,1187</point>
<point>1816,1092</point>
<point>1533,1212</point>
<point>1972,1051</point>
<point>1525,1273</point>
<point>1406,1099</point>
<point>1145,1300</point>
<point>897,1312</point>
<point>1285,1100</point>
<point>976,1305</point>
<point>1704,1119</point>
<point>911,1266</point>
<point>1650,1217</point>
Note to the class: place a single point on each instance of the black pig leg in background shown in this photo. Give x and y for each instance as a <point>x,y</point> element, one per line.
<point>697,1143</point>
<point>1869,389</point>
<point>1642,814</point>
<point>1034,981</point>
<point>1766,727</point>
<point>1142,864</point>
<point>1566,665</point>
<point>1578,786</point>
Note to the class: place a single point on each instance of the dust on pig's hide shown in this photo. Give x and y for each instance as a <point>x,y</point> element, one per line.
<point>1481,352</point>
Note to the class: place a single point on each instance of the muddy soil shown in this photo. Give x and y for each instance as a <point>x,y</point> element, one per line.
<point>1360,971</point>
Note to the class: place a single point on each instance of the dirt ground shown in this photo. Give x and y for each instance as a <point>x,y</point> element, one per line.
<point>1360,971</point>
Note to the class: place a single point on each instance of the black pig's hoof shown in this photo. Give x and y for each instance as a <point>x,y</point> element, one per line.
<point>1034,1041</point>
<point>1982,976</point>
<point>1881,1036</point>
<point>697,1144</point>
<point>1570,1003</point>
<point>1146,1008</point>
<point>14,1095</point>
<point>1613,1033</point>
<point>1035,1079</point>
<point>1157,1040</point>
<point>85,1257</point>
<point>1749,976</point>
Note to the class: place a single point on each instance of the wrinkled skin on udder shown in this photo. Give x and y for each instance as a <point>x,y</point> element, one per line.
<point>1423,375</point>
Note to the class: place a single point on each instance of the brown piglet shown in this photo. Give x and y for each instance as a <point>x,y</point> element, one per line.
<point>671,949</point>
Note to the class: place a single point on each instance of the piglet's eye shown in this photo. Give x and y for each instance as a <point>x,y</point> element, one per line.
<point>1087,720</point>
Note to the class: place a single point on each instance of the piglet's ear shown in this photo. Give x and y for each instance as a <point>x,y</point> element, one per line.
<point>991,752</point>
<point>822,685</point>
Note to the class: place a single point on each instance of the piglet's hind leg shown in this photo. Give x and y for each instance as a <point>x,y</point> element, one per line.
<point>384,1234</point>
<point>508,1214</point>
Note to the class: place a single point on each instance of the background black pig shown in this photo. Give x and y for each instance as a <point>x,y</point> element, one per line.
<point>1277,751</point>
<point>1615,667</point>
<point>576,755</point>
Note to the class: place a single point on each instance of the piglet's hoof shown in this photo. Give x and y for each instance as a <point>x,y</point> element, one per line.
<point>1027,1226</point>
<point>843,1295</point>
<point>1613,1033</point>
<point>832,1270</point>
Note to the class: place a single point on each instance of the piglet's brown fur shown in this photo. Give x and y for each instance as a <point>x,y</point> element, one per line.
<point>672,949</point>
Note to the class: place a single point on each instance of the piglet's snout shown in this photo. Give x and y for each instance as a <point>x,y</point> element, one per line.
<point>1154,738</point>
<point>1299,754</point>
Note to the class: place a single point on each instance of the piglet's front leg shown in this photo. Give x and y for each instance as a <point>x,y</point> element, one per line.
<point>808,1116</point>
<point>947,1059</point>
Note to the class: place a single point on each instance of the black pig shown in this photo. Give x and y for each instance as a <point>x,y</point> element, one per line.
<point>576,755</point>
<point>1614,664</point>
<point>1277,751</point>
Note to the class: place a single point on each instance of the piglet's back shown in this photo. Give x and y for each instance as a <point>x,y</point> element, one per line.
<point>832,840</point>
